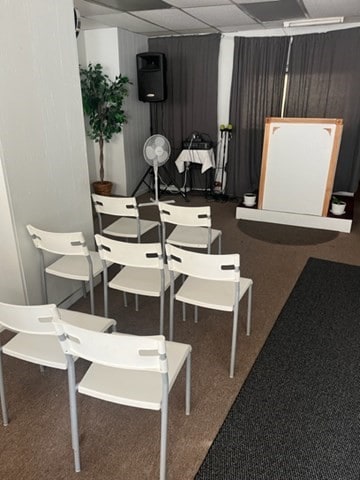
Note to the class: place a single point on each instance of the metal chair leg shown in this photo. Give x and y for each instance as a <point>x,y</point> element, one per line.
<point>73,413</point>
<point>83,284</point>
<point>248,319</point>
<point>163,440</point>
<point>92,301</point>
<point>171,313</point>
<point>188,385</point>
<point>2,395</point>
<point>162,313</point>
<point>233,340</point>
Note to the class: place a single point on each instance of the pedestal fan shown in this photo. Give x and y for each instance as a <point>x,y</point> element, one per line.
<point>156,153</point>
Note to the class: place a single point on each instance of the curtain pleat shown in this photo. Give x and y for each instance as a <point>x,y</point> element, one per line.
<point>324,80</point>
<point>192,83</point>
<point>256,93</point>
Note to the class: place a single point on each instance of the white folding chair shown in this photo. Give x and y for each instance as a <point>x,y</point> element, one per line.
<point>129,225</point>
<point>126,369</point>
<point>143,271</point>
<point>192,226</point>
<point>36,340</point>
<point>212,281</point>
<point>76,261</point>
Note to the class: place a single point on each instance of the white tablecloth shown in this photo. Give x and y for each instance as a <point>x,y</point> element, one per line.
<point>205,157</point>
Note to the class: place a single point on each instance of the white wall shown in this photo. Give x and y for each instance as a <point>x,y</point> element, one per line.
<point>137,130</point>
<point>11,279</point>
<point>42,137</point>
<point>116,50</point>
<point>101,46</point>
<point>226,55</point>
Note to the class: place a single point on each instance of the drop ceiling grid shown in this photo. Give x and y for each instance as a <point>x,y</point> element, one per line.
<point>221,16</point>
<point>205,16</point>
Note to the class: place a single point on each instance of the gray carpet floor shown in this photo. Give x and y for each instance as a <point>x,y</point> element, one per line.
<point>297,414</point>
<point>121,443</point>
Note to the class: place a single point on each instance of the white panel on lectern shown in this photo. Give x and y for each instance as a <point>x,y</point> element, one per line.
<point>298,164</point>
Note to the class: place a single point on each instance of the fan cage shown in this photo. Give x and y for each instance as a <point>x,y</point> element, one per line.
<point>157,147</point>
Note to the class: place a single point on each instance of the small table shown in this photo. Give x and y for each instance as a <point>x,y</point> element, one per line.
<point>205,158</point>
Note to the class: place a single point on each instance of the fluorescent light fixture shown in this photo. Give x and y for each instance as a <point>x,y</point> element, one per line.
<point>309,22</point>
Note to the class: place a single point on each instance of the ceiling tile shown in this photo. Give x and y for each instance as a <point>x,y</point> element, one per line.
<point>197,3</point>
<point>202,16</point>
<point>132,5</point>
<point>128,22</point>
<point>173,19</point>
<point>255,1</point>
<point>87,9</point>
<point>276,10</point>
<point>224,15</point>
<point>332,8</point>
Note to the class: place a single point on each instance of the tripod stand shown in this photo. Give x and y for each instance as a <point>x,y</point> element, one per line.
<point>221,161</point>
<point>150,171</point>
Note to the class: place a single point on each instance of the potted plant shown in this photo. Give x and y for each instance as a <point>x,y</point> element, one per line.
<point>249,199</point>
<point>337,206</point>
<point>102,102</point>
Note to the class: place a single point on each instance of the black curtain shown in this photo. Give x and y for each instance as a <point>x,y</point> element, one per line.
<point>256,93</point>
<point>324,82</point>
<point>192,81</point>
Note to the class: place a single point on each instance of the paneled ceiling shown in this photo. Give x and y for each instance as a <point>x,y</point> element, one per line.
<point>186,17</point>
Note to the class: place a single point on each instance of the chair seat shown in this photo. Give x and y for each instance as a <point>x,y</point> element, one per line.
<point>196,237</point>
<point>133,388</point>
<point>85,320</point>
<point>143,281</point>
<point>127,227</point>
<point>45,349</point>
<point>211,293</point>
<point>75,267</point>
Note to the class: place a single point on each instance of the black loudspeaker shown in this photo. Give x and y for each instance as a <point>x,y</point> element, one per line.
<point>151,73</point>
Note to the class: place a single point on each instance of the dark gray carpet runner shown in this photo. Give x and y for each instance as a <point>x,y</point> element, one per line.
<point>297,415</point>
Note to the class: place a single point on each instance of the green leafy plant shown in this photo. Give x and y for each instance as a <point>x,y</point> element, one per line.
<point>337,200</point>
<point>102,102</point>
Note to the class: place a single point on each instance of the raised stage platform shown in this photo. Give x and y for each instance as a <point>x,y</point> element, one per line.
<point>332,222</point>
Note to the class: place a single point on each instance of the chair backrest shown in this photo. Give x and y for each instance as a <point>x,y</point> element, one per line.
<point>144,255</point>
<point>119,206</point>
<point>31,319</point>
<point>204,265</point>
<point>186,216</point>
<point>114,350</point>
<point>61,243</point>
